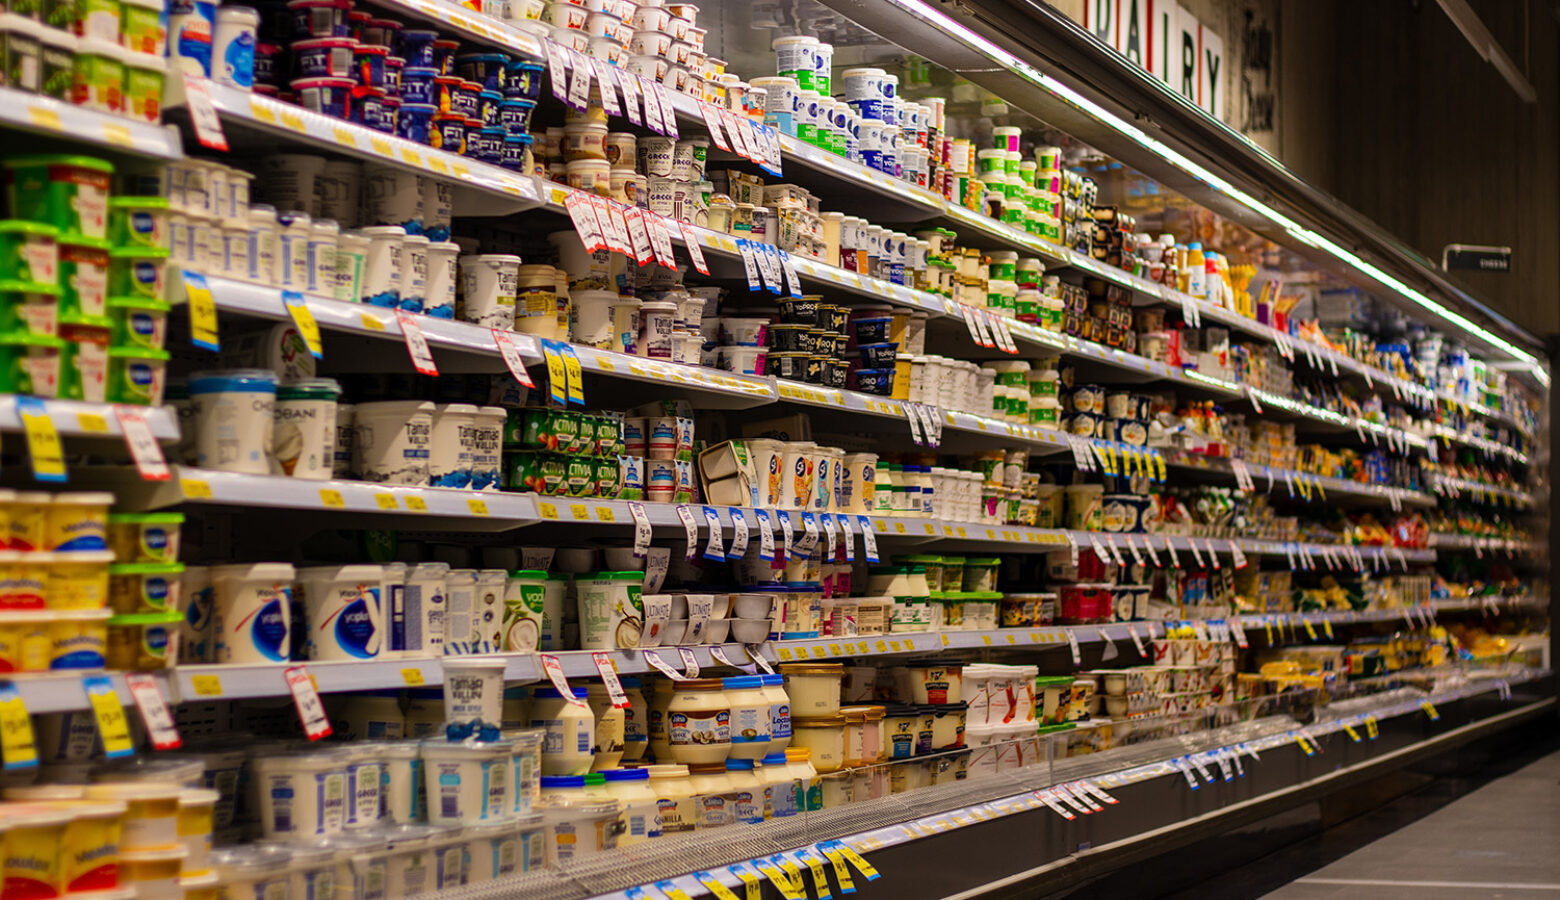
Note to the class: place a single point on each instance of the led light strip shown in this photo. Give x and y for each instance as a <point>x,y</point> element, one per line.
<point>1180,161</point>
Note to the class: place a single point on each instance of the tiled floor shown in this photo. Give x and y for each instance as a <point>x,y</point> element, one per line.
<point>1502,840</point>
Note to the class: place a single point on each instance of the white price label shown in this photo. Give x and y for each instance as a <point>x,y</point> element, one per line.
<point>609,679</point>
<point>203,113</point>
<point>505,341</point>
<point>739,533</point>
<point>155,714</point>
<point>311,712</point>
<point>868,539</point>
<point>143,446</point>
<point>713,549</point>
<point>691,528</point>
<point>661,665</point>
<point>766,535</point>
<point>636,511</point>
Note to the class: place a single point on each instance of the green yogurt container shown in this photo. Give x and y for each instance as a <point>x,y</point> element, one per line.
<point>136,376</point>
<point>63,15</point>
<point>29,251</point>
<point>84,358</point>
<point>57,64</point>
<point>138,221</point>
<point>138,272</point>
<point>100,76</point>
<point>139,322</point>
<point>30,364</point>
<point>30,307</point>
<point>144,77</point>
<point>21,45</point>
<point>101,19</point>
<point>68,192</point>
<point>84,264</point>
<point>144,27</point>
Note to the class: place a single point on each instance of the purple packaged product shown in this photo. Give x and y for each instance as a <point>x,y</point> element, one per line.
<point>524,81</point>
<point>380,32</point>
<point>417,85</point>
<point>368,64</point>
<point>323,58</point>
<point>487,107</point>
<point>490,145</point>
<point>444,56</point>
<point>514,150</point>
<point>416,46</point>
<point>515,116</point>
<point>394,67</point>
<point>465,99</point>
<point>445,87</point>
<point>326,96</point>
<point>319,18</point>
<point>414,121</point>
<point>268,61</point>
<point>472,137</point>
<point>368,106</point>
<point>487,69</point>
<point>448,133</point>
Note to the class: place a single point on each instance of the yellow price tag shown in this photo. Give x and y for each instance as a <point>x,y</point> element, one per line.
<point>113,728</point>
<point>416,503</point>
<point>1353,735</point>
<point>372,323</point>
<point>1327,627</point>
<point>44,118</point>
<point>895,646</point>
<point>386,501</point>
<point>202,311</point>
<point>332,498</point>
<point>576,376</point>
<point>818,651</point>
<point>43,441</point>
<point>206,685</point>
<point>381,146</point>
<point>899,527</point>
<point>195,489</point>
<point>293,120</point>
<point>784,653</point>
<point>261,110</point>
<point>1299,739</point>
<point>751,882</point>
<point>477,507</point>
<point>867,870</point>
<point>412,677</point>
<point>604,513</point>
<point>1430,711</point>
<point>1012,638</point>
<point>841,871</point>
<point>835,650</point>
<point>92,423</point>
<point>1371,728</point>
<point>437,164</point>
<point>986,639</point>
<point>579,511</point>
<point>713,885</point>
<point>344,137</point>
<point>16,731</point>
<point>557,375</point>
<point>882,647</point>
<point>308,329</point>
<point>1310,630</point>
<point>548,510</point>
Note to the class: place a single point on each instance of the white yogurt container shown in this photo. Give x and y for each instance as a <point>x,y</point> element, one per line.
<point>474,689</point>
<point>486,440</point>
<point>365,784</point>
<point>414,272</point>
<point>402,794</point>
<point>351,259</point>
<point>381,281</point>
<point>422,610</point>
<point>451,449</point>
<point>300,794</point>
<point>392,195</point>
<point>569,731</point>
<point>233,419</point>
<point>468,782</point>
<point>322,257</point>
<point>439,299</point>
<point>489,283</point>
<point>251,612</point>
<point>342,611</point>
<point>391,441</point>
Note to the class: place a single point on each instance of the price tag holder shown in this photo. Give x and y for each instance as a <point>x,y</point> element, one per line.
<point>203,113</point>
<point>311,712</point>
<point>155,714</point>
<point>513,361</point>
<point>416,343</point>
<point>143,446</point>
<point>113,727</point>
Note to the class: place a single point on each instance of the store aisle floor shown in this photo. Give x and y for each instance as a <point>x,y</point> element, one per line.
<point>1498,841</point>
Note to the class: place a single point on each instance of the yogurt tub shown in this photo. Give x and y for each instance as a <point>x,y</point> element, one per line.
<point>823,737</point>
<point>936,681</point>
<point>135,588</point>
<point>139,322</point>
<point>151,819</point>
<point>234,410</point>
<point>302,793</point>
<point>468,782</point>
<point>391,441</point>
<point>813,688</point>
<point>197,817</point>
<point>154,874</point>
<point>138,272</point>
<point>343,612</point>
<point>473,689</point>
<point>254,871</point>
<point>401,793</point>
<point>250,612</point>
<point>577,824</point>
<point>526,759</point>
<point>135,376</point>
<point>490,284</point>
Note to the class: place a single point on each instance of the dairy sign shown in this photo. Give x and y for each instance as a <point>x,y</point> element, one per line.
<point>1168,41</point>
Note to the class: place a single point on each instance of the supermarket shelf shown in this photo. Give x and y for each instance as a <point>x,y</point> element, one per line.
<point>1299,484</point>
<point>1486,544</point>
<point>66,121</point>
<point>1489,447</point>
<point>1463,489</point>
<point>1175,797</point>
<point>76,418</point>
<point>470,25</point>
<point>446,334</point>
<point>483,189</point>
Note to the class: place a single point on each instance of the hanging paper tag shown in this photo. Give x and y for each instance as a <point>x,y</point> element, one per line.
<point>809,541</point>
<point>554,671</point>
<point>143,446</point>
<point>203,113</point>
<point>739,533</point>
<point>626,82</point>
<point>663,96</point>
<point>914,420</point>
<point>579,80</point>
<point>1213,557</point>
<point>610,680</point>
<point>752,884</point>
<point>416,344</point>
<point>983,328</point>
<point>308,329</point>
<point>695,251</point>
<point>1003,334</point>
<point>1098,792</point>
<point>311,712</point>
<point>575,376</point>
<point>713,885</point>
<point>661,239</point>
<point>718,653</point>
<point>1152,553</point>
<point>654,659</point>
<point>712,124</point>
<point>1049,799</point>
<point>557,375</point>
<point>1174,559</point>
<point>17,743</point>
<point>43,440</point>
<point>586,225</point>
<point>969,321</point>
<point>1238,554</point>
<point>636,511</point>
<point>868,538</point>
<point>830,537</point>
<point>758,659</point>
<point>155,714</point>
<point>785,533</point>
<point>769,266</point>
<point>202,310</point>
<point>113,727</point>
<point>672,891</point>
<point>1072,547</point>
<point>1137,558</point>
<point>654,117</point>
<point>749,263</point>
<point>780,880</point>
<point>690,662</point>
<point>841,870</point>
<point>1072,646</point>
<point>712,546</point>
<point>638,235</point>
<point>1240,633</point>
<point>513,361</point>
<point>557,69</point>
<point>611,217</point>
<point>848,537</point>
<point>793,281</point>
<point>1137,641</point>
<point>1196,555</point>
<point>609,97</point>
<point>766,535</point>
<point>856,860</point>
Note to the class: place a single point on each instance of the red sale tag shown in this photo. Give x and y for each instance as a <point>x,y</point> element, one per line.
<point>512,359</point>
<point>148,456</point>
<point>416,344</point>
<point>311,712</point>
<point>695,251</point>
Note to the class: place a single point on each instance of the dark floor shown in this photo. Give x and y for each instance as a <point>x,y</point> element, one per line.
<point>1481,822</point>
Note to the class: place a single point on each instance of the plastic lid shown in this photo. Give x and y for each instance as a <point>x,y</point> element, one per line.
<point>594,779</point>
<point>743,682</point>
<point>739,765</point>
<point>626,774</point>
<point>563,781</point>
<point>772,680</point>
<point>775,759</point>
<point>530,574</point>
<point>552,693</point>
<point>798,754</point>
